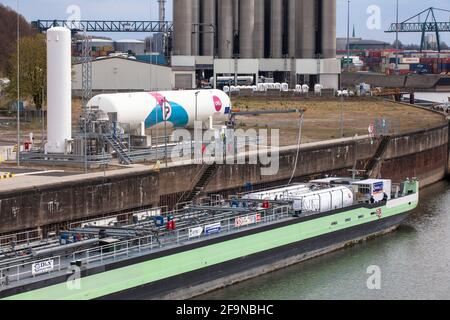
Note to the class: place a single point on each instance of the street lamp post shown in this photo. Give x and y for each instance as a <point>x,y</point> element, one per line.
<point>348,36</point>
<point>196,99</point>
<point>18,85</point>
<point>396,44</point>
<point>165,129</point>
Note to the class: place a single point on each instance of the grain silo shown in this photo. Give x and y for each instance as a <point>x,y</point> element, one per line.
<point>225,30</point>
<point>267,31</point>
<point>182,27</point>
<point>247,28</point>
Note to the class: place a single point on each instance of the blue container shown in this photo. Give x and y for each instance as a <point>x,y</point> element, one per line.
<point>159,221</point>
<point>154,59</point>
<point>13,106</point>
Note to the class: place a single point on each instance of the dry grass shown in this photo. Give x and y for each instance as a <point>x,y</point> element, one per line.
<point>322,118</point>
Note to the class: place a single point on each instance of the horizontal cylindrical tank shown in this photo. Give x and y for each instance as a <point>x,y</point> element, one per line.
<point>328,29</point>
<point>278,193</point>
<point>174,108</point>
<point>323,200</point>
<point>59,90</point>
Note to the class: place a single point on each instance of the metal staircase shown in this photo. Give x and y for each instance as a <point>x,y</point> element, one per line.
<point>119,148</point>
<point>208,172</point>
<point>377,158</point>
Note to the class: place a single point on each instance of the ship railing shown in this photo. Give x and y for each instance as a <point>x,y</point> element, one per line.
<point>142,245</point>
<point>20,238</point>
<point>32,269</point>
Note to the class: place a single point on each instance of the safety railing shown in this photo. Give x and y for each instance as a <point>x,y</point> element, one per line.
<point>142,245</point>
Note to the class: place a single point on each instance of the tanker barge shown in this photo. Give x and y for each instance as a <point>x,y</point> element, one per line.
<point>202,247</point>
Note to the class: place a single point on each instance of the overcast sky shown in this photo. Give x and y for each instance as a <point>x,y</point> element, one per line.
<point>148,9</point>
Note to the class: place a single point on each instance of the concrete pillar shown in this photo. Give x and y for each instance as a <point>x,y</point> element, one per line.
<point>247,27</point>
<point>258,34</point>
<point>182,28</point>
<point>328,29</point>
<point>276,29</point>
<point>225,20</point>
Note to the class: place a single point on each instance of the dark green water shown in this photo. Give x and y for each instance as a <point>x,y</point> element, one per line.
<point>414,262</point>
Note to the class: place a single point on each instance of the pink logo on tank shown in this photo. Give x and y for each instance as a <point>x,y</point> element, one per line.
<point>217,103</point>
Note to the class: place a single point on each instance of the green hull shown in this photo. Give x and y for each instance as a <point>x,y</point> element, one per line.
<point>139,274</point>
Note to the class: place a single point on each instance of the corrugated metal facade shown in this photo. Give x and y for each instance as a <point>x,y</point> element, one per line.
<point>120,74</point>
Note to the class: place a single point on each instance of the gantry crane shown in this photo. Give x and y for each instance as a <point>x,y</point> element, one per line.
<point>431,24</point>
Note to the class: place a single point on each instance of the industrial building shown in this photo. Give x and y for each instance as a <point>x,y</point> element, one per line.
<point>118,74</point>
<point>291,41</point>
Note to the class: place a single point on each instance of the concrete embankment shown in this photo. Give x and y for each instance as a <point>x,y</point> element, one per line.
<point>31,202</point>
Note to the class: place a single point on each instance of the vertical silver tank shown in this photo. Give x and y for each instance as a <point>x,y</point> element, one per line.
<point>328,29</point>
<point>182,27</point>
<point>209,18</point>
<point>306,26</point>
<point>276,29</point>
<point>195,39</point>
<point>258,34</point>
<point>225,29</point>
<point>292,28</point>
<point>247,26</point>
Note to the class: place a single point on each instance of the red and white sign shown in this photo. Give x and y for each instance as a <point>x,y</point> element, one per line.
<point>217,103</point>
<point>245,221</point>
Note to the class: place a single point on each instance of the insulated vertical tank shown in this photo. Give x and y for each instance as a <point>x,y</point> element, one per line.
<point>225,20</point>
<point>276,29</point>
<point>328,29</point>
<point>258,34</point>
<point>59,90</point>
<point>182,27</point>
<point>247,26</point>
<point>209,19</point>
<point>195,40</point>
<point>306,26</point>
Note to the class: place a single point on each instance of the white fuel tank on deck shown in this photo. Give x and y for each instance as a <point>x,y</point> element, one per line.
<point>147,107</point>
<point>324,200</point>
<point>278,193</point>
<point>59,92</point>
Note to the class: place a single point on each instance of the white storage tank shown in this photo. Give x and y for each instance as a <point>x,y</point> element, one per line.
<point>181,107</point>
<point>278,193</point>
<point>59,90</point>
<point>324,200</point>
